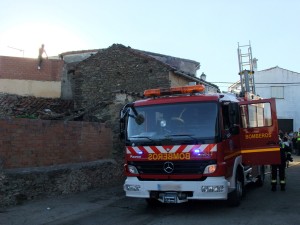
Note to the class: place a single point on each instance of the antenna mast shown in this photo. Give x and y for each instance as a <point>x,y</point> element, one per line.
<point>246,69</point>
<point>21,50</point>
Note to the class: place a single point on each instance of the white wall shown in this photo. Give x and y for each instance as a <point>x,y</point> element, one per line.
<point>44,89</point>
<point>288,107</point>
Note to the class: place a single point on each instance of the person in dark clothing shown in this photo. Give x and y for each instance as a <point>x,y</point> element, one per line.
<point>280,133</point>
<point>294,140</point>
<point>298,142</point>
<point>284,150</point>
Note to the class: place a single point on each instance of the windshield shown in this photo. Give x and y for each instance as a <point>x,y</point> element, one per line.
<point>189,121</point>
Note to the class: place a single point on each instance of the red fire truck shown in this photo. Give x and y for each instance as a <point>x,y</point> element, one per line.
<point>182,144</point>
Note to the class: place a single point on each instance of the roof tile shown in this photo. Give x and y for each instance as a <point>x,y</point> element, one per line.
<point>28,106</point>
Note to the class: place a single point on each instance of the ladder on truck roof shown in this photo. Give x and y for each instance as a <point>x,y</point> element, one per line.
<point>246,69</point>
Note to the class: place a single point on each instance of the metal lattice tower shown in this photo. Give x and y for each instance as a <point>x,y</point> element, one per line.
<point>246,69</point>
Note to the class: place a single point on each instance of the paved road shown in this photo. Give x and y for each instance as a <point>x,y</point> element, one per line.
<point>110,206</point>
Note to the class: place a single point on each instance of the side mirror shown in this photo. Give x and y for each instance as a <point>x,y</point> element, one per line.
<point>139,119</point>
<point>123,114</point>
<point>122,129</point>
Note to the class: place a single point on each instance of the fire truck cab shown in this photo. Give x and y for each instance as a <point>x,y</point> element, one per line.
<point>182,144</point>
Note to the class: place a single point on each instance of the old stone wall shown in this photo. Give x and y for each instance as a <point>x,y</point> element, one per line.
<point>116,68</point>
<point>41,158</point>
<point>18,185</point>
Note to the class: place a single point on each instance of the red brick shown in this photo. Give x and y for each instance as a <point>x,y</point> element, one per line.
<point>53,143</point>
<point>26,69</point>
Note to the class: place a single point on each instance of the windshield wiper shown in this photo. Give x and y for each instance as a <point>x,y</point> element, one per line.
<point>181,135</point>
<point>142,137</point>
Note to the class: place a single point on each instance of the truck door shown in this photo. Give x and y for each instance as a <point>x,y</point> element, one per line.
<point>259,132</point>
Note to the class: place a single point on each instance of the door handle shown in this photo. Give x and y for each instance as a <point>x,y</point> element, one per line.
<point>272,143</point>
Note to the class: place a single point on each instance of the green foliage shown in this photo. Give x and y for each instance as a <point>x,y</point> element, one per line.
<point>27,116</point>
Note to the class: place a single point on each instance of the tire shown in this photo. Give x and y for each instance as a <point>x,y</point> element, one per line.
<point>235,197</point>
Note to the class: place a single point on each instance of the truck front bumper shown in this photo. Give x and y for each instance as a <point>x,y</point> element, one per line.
<point>213,188</point>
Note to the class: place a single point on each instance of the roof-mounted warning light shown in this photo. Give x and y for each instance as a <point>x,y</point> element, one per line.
<point>174,90</point>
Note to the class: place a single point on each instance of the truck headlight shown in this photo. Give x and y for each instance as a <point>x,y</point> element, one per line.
<point>132,187</point>
<point>213,188</point>
<point>210,169</point>
<point>132,169</point>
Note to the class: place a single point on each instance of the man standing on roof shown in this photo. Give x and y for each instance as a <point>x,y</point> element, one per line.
<point>40,57</point>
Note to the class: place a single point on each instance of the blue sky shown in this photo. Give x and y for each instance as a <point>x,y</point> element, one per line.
<point>207,31</point>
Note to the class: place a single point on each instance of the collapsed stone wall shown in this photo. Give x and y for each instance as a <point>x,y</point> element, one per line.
<point>18,185</point>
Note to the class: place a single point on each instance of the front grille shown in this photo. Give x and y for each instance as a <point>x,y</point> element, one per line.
<point>180,167</point>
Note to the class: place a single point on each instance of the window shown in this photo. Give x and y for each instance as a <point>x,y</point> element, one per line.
<point>225,116</point>
<point>256,115</point>
<point>182,120</point>
<point>277,92</point>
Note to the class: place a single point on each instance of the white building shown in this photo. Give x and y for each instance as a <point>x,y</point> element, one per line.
<point>283,85</point>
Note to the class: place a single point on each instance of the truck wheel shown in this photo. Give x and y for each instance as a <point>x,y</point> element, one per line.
<point>235,197</point>
<point>261,178</point>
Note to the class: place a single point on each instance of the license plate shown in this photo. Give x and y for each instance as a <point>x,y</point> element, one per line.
<point>169,187</point>
<point>170,198</point>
